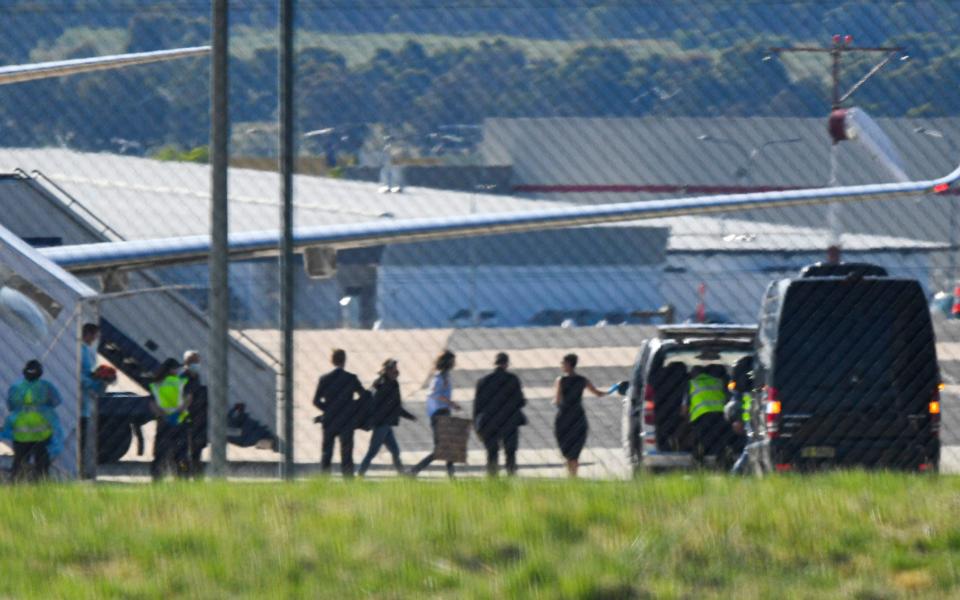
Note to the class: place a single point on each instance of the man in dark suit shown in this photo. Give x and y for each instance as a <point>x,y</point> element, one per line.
<point>498,414</point>
<point>335,397</point>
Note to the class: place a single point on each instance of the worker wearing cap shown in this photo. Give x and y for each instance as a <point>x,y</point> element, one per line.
<point>704,404</point>
<point>197,392</point>
<point>32,402</point>
<point>741,415</point>
<point>169,403</point>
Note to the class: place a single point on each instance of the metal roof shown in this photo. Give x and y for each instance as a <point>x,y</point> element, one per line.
<point>598,161</point>
<point>145,199</point>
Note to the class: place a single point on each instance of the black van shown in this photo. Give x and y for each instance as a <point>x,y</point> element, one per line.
<point>847,368</point>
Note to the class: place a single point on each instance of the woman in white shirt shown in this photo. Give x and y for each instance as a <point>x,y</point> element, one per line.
<point>439,403</point>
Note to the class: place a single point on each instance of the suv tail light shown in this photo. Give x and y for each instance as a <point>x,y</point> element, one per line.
<point>649,416</point>
<point>934,410</point>
<point>773,409</point>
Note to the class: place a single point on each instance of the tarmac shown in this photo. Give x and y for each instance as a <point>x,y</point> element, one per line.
<point>606,357</point>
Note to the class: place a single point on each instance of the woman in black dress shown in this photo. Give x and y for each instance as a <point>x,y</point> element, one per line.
<point>570,426</point>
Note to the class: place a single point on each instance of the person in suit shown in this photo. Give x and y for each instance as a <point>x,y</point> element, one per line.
<point>385,413</point>
<point>498,414</point>
<point>335,396</point>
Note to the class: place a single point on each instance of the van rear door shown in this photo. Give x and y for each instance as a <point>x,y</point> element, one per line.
<point>855,366</point>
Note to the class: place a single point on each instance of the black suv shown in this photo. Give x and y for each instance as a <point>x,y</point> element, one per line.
<point>847,371</point>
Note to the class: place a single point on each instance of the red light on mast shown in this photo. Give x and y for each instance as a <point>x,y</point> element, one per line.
<point>847,40</point>
<point>836,39</point>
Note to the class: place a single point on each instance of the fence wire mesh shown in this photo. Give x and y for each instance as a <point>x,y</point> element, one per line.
<point>422,109</point>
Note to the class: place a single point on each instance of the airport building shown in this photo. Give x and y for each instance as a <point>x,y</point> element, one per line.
<point>582,276</point>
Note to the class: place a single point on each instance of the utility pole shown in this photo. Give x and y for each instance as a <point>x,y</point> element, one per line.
<point>219,300</point>
<point>836,124</point>
<point>843,44</point>
<point>286,224</point>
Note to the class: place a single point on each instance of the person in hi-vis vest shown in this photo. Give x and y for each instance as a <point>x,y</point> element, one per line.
<point>703,404</point>
<point>169,402</point>
<point>740,410</point>
<point>32,423</point>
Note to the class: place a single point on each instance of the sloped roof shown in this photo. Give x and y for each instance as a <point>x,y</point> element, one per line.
<point>144,198</point>
<point>595,161</point>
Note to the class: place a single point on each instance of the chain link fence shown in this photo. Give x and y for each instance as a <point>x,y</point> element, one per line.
<point>408,110</point>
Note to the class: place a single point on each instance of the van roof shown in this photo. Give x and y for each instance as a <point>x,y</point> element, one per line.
<point>707,332</point>
<point>842,270</point>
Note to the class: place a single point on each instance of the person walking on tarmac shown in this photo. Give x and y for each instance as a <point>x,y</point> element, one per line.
<point>498,414</point>
<point>439,404</point>
<point>335,396</point>
<point>385,413</point>
<point>170,403</point>
<point>197,436</point>
<point>33,420</point>
<point>703,404</point>
<point>570,425</point>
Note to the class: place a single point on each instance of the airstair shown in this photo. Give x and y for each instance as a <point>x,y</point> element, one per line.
<point>143,320</point>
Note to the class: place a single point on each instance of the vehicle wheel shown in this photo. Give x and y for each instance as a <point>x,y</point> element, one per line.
<point>113,441</point>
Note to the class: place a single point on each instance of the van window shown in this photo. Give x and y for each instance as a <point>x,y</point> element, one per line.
<point>854,345</point>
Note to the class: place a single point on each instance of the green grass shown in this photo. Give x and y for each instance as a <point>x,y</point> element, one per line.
<point>842,535</point>
<point>360,48</point>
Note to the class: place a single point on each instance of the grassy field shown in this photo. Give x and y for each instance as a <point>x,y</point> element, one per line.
<point>841,535</point>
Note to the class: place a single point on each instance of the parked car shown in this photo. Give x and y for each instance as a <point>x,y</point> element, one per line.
<point>580,317</point>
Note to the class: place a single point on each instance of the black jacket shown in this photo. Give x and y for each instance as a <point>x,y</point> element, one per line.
<point>386,406</point>
<point>498,404</point>
<point>335,397</point>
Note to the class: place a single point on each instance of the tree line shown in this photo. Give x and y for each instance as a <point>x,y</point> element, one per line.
<point>717,65</point>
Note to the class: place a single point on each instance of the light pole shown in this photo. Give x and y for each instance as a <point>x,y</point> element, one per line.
<point>742,172</point>
<point>472,251</point>
<point>952,219</point>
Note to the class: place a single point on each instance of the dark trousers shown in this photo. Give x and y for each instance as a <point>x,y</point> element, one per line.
<point>346,451</point>
<point>170,445</point>
<point>423,464</point>
<point>26,452</point>
<point>382,436</point>
<point>197,443</point>
<point>197,436</point>
<point>712,434</point>
<point>511,441</point>
<point>83,445</point>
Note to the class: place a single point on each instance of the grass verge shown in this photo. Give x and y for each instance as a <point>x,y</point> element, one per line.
<point>838,535</point>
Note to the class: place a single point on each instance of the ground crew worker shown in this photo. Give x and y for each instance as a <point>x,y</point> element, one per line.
<point>33,420</point>
<point>198,409</point>
<point>741,417</point>
<point>169,403</point>
<point>704,404</point>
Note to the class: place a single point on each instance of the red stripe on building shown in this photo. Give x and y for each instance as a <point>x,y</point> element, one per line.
<point>533,188</point>
<point>700,190</point>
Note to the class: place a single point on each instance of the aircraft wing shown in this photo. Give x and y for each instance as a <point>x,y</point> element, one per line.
<point>95,258</point>
<point>57,68</point>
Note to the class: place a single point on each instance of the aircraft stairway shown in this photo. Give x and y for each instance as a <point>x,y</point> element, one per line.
<point>143,319</point>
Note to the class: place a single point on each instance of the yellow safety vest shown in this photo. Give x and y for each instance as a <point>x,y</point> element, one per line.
<point>706,396</point>
<point>169,395</point>
<point>747,402</point>
<point>31,425</point>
